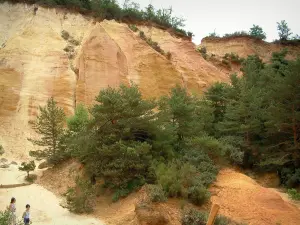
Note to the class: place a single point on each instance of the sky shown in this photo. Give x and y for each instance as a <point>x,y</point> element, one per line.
<point>227,16</point>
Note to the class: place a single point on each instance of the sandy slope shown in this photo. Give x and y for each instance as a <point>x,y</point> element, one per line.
<point>243,199</point>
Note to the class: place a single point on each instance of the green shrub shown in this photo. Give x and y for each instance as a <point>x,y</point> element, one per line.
<point>1,150</point>
<point>233,57</point>
<point>237,34</point>
<point>142,35</point>
<point>133,27</point>
<point>156,193</point>
<point>294,194</point>
<point>203,52</point>
<point>65,35</point>
<point>5,218</point>
<point>226,62</point>
<point>69,48</point>
<point>222,220</point>
<point>126,189</point>
<point>81,198</point>
<point>179,179</point>
<point>290,177</point>
<point>193,217</point>
<point>198,195</point>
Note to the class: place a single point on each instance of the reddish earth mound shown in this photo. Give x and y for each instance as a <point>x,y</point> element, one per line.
<point>242,199</point>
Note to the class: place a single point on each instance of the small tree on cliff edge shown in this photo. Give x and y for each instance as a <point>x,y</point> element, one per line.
<point>27,167</point>
<point>49,125</point>
<point>257,31</point>
<point>283,30</point>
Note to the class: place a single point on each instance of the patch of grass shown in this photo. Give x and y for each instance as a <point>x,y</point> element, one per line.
<point>294,194</point>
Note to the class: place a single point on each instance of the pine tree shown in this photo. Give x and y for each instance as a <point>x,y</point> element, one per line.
<point>178,111</point>
<point>50,125</point>
<point>284,111</point>
<point>117,141</point>
<point>27,167</point>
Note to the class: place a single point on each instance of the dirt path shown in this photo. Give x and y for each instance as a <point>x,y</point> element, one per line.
<point>45,206</point>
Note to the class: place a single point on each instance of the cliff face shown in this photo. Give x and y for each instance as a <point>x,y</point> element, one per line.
<point>71,57</point>
<point>244,46</point>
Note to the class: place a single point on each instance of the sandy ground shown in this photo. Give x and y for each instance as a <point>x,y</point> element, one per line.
<point>244,200</point>
<point>45,206</point>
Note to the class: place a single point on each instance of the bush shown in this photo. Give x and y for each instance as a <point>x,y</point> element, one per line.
<point>294,194</point>
<point>198,195</point>
<point>226,62</point>
<point>5,218</point>
<point>179,179</point>
<point>237,34</point>
<point>69,48</point>
<point>203,52</point>
<point>233,57</point>
<point>142,35</point>
<point>290,177</point>
<point>169,55</point>
<point>74,42</point>
<point>80,198</point>
<point>125,190</point>
<point>133,27</point>
<point>156,193</point>
<point>65,35</point>
<point>222,220</point>
<point>193,217</point>
<point>1,150</point>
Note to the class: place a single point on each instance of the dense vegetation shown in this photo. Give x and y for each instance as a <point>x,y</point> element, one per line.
<point>130,12</point>
<point>174,143</point>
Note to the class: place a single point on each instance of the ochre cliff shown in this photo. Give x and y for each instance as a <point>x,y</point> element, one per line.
<point>37,61</point>
<point>244,46</point>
